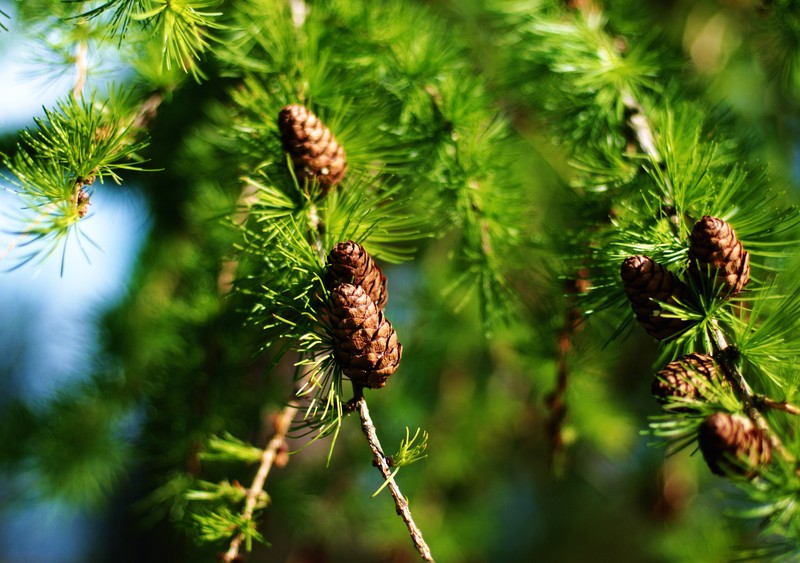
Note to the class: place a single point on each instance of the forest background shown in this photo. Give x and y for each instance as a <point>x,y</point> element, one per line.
<point>501,158</point>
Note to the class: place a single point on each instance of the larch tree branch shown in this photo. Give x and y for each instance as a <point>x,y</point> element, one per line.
<point>81,68</point>
<point>381,461</point>
<point>282,424</point>
<point>726,356</point>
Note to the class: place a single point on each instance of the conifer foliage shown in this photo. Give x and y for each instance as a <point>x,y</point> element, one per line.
<point>572,209</point>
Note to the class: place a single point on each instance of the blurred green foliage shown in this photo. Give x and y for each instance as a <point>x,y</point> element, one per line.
<point>474,145</point>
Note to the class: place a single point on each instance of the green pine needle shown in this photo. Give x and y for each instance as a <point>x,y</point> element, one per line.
<point>223,524</point>
<point>229,448</point>
<point>407,454</point>
<point>222,492</point>
<point>184,29</point>
<point>79,143</point>
<point>123,12</point>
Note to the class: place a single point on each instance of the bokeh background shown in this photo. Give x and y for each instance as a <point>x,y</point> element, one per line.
<point>144,303</point>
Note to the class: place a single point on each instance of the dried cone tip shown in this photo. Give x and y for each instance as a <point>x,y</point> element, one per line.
<point>82,202</point>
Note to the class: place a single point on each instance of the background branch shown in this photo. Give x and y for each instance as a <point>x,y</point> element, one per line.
<point>640,125</point>
<point>282,424</point>
<point>81,68</point>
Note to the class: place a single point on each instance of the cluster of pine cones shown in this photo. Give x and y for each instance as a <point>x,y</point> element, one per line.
<point>731,444</point>
<point>364,343</point>
<point>716,260</point>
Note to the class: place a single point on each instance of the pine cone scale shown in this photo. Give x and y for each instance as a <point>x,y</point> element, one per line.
<point>714,250</point>
<point>688,377</point>
<point>365,343</point>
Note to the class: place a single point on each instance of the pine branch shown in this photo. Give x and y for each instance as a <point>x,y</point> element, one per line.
<point>282,424</point>
<point>380,461</point>
<point>81,68</point>
<point>78,142</point>
<point>762,401</point>
<point>636,116</point>
<point>427,154</point>
<point>185,30</point>
<point>556,400</point>
<point>693,179</point>
<point>123,13</point>
<point>642,129</point>
<point>726,356</point>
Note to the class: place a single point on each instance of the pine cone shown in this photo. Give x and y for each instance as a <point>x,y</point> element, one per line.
<point>312,147</point>
<point>733,445</point>
<point>82,202</point>
<point>687,377</point>
<point>348,262</point>
<point>646,282</point>
<point>364,343</point>
<point>715,249</point>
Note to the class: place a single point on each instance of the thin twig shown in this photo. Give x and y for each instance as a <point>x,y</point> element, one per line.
<point>147,111</point>
<point>81,68</point>
<point>768,403</point>
<point>725,355</point>
<point>282,424</point>
<point>640,125</point>
<point>313,216</point>
<point>248,197</point>
<point>380,461</point>
<point>556,400</point>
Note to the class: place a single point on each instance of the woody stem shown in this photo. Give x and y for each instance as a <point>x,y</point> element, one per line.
<point>381,462</point>
<point>725,355</point>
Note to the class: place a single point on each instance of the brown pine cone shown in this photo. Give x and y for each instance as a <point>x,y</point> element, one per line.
<point>715,250</point>
<point>646,282</point>
<point>364,343</point>
<point>312,147</point>
<point>732,445</point>
<point>82,202</point>
<point>348,262</point>
<point>687,377</point>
